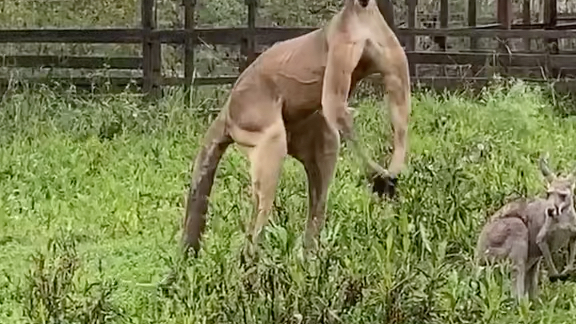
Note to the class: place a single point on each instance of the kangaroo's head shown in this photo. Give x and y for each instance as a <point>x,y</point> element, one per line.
<point>559,191</point>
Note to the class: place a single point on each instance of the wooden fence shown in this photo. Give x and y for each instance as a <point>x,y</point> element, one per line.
<point>553,63</point>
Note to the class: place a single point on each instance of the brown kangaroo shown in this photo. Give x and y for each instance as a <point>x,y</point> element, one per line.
<point>293,100</point>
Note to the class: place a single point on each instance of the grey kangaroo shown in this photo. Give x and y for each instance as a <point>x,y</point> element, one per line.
<point>526,230</point>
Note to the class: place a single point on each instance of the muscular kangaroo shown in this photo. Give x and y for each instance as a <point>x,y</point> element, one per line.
<point>293,100</point>
<point>527,231</point>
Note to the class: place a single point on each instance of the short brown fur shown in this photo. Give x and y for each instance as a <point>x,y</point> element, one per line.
<point>525,231</point>
<point>292,100</point>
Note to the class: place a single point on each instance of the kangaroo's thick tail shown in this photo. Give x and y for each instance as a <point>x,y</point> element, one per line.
<point>215,143</point>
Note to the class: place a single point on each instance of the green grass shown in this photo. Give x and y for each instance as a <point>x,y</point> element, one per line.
<point>91,203</point>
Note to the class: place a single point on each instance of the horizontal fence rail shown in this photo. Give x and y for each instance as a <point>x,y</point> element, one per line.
<point>72,62</point>
<point>528,60</point>
<point>233,35</point>
<point>547,61</point>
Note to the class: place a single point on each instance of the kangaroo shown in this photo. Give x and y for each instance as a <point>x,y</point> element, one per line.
<point>293,100</point>
<point>527,230</point>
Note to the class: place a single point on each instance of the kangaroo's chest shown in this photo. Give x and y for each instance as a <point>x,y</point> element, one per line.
<point>559,236</point>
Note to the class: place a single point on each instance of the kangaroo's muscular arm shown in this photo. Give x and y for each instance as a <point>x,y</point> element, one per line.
<point>542,242</point>
<point>392,65</point>
<point>343,56</point>
<point>399,97</point>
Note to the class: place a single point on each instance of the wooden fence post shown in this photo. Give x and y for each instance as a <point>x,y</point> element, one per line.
<point>248,43</point>
<point>151,51</point>
<point>505,19</point>
<point>550,20</point>
<point>444,12</point>
<point>189,26</point>
<point>472,22</point>
<point>472,16</point>
<point>411,41</point>
<point>526,20</point>
<point>386,8</point>
<point>441,41</point>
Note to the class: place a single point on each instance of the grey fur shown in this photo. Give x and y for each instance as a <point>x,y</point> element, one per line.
<point>527,231</point>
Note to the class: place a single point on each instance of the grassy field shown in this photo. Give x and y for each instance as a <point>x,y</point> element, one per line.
<point>92,194</point>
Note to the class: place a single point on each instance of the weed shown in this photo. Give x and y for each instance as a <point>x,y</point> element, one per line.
<point>51,296</point>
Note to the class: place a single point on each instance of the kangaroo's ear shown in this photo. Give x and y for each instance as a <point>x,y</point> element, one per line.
<point>545,170</point>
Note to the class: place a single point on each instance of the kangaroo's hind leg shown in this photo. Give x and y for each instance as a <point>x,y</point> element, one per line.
<point>266,148</point>
<point>531,283</point>
<point>517,242</point>
<point>507,238</point>
<point>266,160</point>
<point>314,144</point>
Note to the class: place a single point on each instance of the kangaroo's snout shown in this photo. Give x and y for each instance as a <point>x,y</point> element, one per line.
<point>551,212</point>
